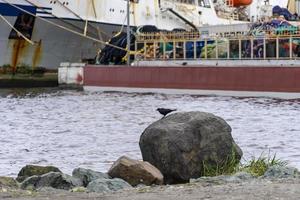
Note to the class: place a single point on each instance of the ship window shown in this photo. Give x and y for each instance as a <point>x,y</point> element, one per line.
<point>204,3</point>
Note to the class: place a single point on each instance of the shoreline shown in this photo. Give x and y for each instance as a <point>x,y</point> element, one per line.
<point>278,182</point>
<point>256,189</point>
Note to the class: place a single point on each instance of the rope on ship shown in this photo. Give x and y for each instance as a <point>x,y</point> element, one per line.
<point>37,6</point>
<point>94,10</point>
<point>18,32</point>
<point>66,29</point>
<point>74,13</point>
<point>93,5</point>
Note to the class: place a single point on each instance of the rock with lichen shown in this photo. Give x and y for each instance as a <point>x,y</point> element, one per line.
<point>88,175</point>
<point>31,170</point>
<point>8,183</point>
<point>55,180</point>
<point>107,185</point>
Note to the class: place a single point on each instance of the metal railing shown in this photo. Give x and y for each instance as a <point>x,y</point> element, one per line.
<point>191,45</point>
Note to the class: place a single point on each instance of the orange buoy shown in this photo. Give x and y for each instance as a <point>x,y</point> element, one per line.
<point>237,3</point>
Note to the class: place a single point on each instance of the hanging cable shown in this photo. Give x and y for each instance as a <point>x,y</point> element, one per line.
<point>78,16</point>
<point>64,28</point>
<point>94,8</point>
<point>46,11</point>
<point>18,32</point>
<point>74,13</point>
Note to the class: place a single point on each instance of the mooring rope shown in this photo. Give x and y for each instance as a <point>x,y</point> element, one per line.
<point>66,29</point>
<point>18,32</point>
<point>68,23</point>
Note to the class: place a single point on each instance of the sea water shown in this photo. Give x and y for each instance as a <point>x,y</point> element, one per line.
<point>70,129</point>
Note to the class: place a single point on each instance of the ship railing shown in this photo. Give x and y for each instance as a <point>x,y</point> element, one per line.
<point>168,36</point>
<point>264,47</point>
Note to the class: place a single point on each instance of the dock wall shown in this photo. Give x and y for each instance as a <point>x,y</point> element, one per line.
<point>264,79</point>
<point>71,74</point>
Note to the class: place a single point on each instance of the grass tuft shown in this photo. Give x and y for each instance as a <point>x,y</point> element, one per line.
<point>225,167</point>
<point>258,166</point>
<point>255,166</point>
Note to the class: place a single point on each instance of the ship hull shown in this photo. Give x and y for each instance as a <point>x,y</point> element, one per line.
<point>53,45</point>
<point>268,81</point>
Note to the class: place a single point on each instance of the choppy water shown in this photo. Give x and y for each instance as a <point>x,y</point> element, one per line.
<point>70,129</point>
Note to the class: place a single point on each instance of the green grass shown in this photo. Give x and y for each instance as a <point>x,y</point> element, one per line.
<point>255,166</point>
<point>228,166</point>
<point>258,166</point>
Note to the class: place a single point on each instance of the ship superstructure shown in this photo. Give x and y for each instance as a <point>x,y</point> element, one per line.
<point>69,30</point>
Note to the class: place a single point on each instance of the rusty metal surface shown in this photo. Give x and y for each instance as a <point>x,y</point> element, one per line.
<point>36,59</point>
<point>52,45</point>
<point>19,48</point>
<point>272,79</point>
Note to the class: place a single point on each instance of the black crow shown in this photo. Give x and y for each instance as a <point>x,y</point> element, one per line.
<point>165,111</point>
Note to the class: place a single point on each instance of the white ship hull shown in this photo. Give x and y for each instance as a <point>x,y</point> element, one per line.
<point>52,44</point>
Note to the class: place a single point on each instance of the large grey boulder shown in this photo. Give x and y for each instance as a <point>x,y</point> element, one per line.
<point>107,185</point>
<point>181,145</point>
<point>31,170</point>
<point>55,180</point>
<point>87,175</point>
<point>136,172</point>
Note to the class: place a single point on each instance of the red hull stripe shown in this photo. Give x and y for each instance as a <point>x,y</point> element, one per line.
<point>271,79</point>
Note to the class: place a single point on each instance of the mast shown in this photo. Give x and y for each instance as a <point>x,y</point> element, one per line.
<point>128,32</point>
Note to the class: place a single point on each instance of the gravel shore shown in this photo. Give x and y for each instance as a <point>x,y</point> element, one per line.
<point>258,189</point>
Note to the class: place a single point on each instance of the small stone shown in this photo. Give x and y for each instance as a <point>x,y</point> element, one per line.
<point>30,183</point>
<point>217,180</point>
<point>52,179</point>
<point>50,190</point>
<point>244,175</point>
<point>87,175</point>
<point>281,172</point>
<point>136,172</point>
<point>8,183</point>
<point>107,185</point>
<point>79,189</point>
<point>31,170</point>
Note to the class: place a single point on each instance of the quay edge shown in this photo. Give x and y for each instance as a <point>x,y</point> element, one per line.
<point>278,80</point>
<point>70,75</point>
